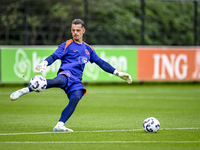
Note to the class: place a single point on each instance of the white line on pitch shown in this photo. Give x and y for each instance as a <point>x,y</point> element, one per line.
<point>93,142</point>
<point>26,133</point>
<point>69,132</point>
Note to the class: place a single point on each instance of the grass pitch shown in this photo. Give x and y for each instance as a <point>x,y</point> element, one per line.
<point>108,117</point>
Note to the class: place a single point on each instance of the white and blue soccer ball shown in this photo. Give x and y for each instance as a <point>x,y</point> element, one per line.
<point>151,125</point>
<point>38,83</point>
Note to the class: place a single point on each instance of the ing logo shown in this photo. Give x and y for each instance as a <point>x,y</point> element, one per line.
<point>175,66</point>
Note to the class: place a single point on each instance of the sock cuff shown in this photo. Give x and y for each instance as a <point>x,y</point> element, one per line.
<point>30,89</point>
<point>60,123</point>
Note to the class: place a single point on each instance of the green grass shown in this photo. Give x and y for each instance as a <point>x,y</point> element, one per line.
<point>107,117</point>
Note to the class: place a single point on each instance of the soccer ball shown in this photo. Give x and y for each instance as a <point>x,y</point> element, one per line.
<point>151,124</point>
<point>38,83</point>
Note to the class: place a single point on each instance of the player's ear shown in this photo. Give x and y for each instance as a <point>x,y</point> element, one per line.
<point>84,30</point>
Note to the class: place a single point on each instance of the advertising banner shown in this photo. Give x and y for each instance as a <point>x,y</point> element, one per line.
<point>123,59</point>
<point>168,64</point>
<point>142,63</point>
<point>17,64</point>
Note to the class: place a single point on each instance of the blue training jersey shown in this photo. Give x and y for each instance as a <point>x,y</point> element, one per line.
<point>74,56</point>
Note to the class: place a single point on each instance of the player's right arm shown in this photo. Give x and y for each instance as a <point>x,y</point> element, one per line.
<point>47,62</point>
<point>52,58</point>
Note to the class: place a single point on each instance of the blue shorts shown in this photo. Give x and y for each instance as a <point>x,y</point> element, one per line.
<point>74,83</point>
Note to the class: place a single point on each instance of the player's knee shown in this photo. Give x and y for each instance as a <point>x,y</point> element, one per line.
<point>75,99</point>
<point>75,96</point>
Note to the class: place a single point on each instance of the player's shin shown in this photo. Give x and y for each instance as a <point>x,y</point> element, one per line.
<point>74,98</point>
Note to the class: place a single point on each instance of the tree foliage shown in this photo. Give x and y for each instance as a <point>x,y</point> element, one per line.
<point>113,22</point>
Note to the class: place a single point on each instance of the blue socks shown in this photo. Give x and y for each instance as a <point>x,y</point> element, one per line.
<point>30,89</point>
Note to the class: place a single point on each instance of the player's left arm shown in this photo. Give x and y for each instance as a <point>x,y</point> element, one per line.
<point>107,67</point>
<point>110,69</point>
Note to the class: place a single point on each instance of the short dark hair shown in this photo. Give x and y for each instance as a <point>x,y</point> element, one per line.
<point>78,21</point>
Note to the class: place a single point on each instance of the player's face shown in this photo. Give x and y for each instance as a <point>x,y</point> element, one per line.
<point>77,32</point>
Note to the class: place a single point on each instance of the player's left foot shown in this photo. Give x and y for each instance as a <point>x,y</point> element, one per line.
<point>62,128</point>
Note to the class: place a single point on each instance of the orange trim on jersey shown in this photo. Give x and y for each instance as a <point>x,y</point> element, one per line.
<point>84,92</point>
<point>89,46</point>
<point>68,74</point>
<point>67,43</point>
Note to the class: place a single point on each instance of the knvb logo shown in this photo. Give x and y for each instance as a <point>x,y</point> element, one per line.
<point>174,66</point>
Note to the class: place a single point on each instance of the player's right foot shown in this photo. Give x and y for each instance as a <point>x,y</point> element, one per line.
<point>62,128</point>
<point>15,95</point>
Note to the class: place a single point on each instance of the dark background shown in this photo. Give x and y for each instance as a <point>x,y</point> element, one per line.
<point>113,22</point>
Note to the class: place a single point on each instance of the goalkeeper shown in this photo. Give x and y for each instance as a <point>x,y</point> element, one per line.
<point>74,54</point>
